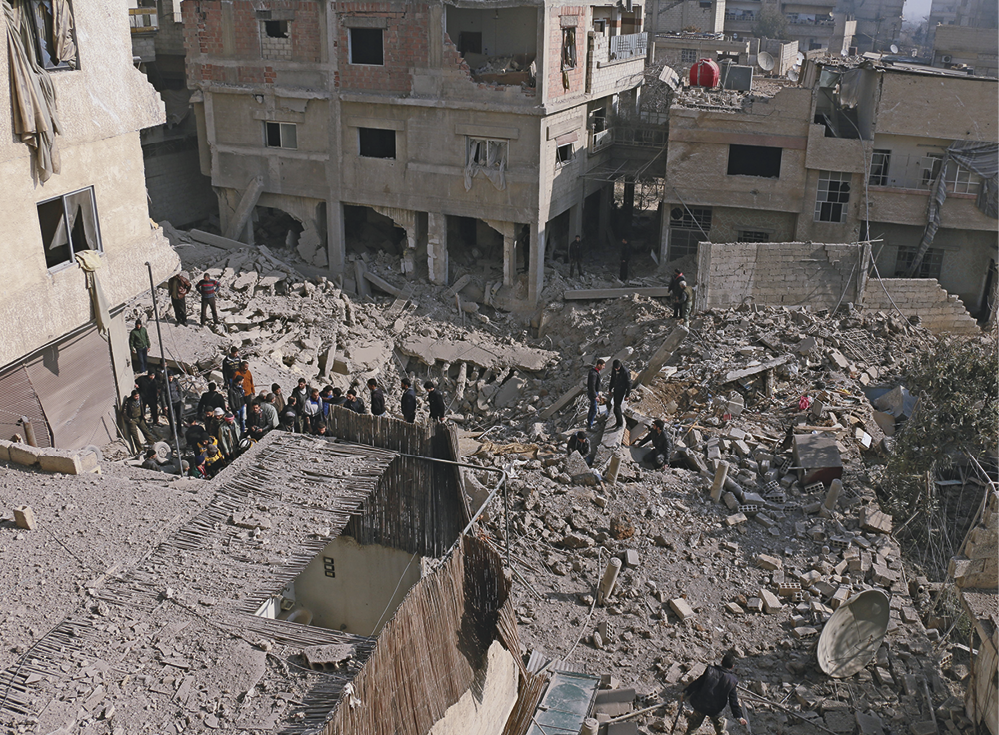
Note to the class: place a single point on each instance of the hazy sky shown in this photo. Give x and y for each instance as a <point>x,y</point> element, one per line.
<point>916,9</point>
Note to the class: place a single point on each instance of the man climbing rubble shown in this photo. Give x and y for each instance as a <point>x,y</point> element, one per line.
<point>576,257</point>
<point>662,445</point>
<point>675,290</point>
<point>579,443</point>
<point>709,694</point>
<point>593,391</point>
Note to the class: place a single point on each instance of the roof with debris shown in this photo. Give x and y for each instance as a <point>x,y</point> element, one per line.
<point>170,642</point>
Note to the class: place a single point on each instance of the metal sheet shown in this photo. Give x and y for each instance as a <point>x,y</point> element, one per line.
<point>17,399</point>
<point>75,384</point>
<point>565,705</point>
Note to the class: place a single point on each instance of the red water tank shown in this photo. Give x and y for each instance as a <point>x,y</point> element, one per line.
<point>705,73</point>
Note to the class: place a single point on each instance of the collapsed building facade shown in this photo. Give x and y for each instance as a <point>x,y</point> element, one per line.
<point>852,153</point>
<point>471,127</point>
<point>75,232</point>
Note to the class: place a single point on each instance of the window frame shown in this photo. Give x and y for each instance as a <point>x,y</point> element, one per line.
<point>691,227</point>
<point>395,144</point>
<point>280,24</point>
<point>561,159</point>
<point>825,205</point>
<point>688,56</point>
<point>880,161</point>
<point>931,266</point>
<point>351,45</point>
<point>281,128</point>
<point>74,63</point>
<point>752,236</point>
<point>483,145</point>
<point>65,214</point>
<point>568,55</point>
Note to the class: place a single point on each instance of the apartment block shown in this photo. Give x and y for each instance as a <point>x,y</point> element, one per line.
<point>478,131</point>
<point>851,153</point>
<point>75,233</point>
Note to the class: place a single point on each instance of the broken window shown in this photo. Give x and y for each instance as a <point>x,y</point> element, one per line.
<point>568,48</point>
<point>929,268</point>
<point>69,225</point>
<point>960,180</point>
<point>276,28</point>
<point>488,157</point>
<point>563,154</point>
<point>931,169</point>
<point>688,56</point>
<point>281,135</point>
<point>754,160</point>
<point>376,142</point>
<point>470,42</point>
<point>599,120</point>
<point>50,30</point>
<point>880,161</point>
<point>753,236</point>
<point>832,197</point>
<point>366,46</point>
<point>688,226</point>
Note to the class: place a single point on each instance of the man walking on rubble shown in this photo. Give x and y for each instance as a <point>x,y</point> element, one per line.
<point>593,390</point>
<point>149,392</point>
<point>179,288</point>
<point>138,341</point>
<point>686,302</point>
<point>135,420</point>
<point>579,443</point>
<point>435,402</point>
<point>620,388</point>
<point>208,287</point>
<point>662,445</point>
<point>377,398</point>
<point>709,694</point>
<point>408,402</point>
<point>576,257</point>
<point>675,290</point>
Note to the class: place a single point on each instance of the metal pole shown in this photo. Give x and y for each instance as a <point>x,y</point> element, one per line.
<point>506,512</point>
<point>166,371</point>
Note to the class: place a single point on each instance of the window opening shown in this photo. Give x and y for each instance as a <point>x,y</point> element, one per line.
<point>961,180</point>
<point>880,161</point>
<point>52,29</point>
<point>832,196</point>
<point>281,135</point>
<point>469,42</point>
<point>931,169</point>
<point>568,48</point>
<point>688,56</point>
<point>929,268</point>
<point>69,224</point>
<point>688,226</point>
<point>276,28</point>
<point>376,142</point>
<point>366,46</point>
<point>754,160</point>
<point>753,236</point>
<point>563,154</point>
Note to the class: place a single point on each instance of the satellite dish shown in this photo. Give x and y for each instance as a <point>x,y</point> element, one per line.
<point>792,74</point>
<point>765,60</point>
<point>893,48</point>
<point>799,59</point>
<point>853,634</point>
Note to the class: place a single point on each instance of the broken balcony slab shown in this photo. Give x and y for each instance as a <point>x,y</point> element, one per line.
<point>591,294</point>
<point>430,350</point>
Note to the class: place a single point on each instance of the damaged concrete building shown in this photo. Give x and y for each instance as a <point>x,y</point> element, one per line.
<point>76,231</point>
<point>471,129</point>
<point>868,152</point>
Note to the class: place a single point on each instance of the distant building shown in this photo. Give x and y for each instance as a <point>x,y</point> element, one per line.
<point>965,13</point>
<point>78,193</point>
<point>853,153</point>
<point>879,22</point>
<point>973,50</point>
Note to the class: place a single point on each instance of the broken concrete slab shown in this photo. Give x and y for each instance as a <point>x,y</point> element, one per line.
<point>429,350</point>
<point>755,369</point>
<point>662,355</point>
<point>652,292</point>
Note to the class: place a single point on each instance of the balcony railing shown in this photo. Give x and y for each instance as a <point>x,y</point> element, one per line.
<point>631,46</point>
<point>143,20</point>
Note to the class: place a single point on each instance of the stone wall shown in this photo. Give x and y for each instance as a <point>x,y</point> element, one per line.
<point>937,310</point>
<point>978,567</point>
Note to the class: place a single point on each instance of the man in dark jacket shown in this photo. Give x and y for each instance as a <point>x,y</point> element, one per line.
<point>210,400</point>
<point>576,257</point>
<point>709,694</point>
<point>237,401</point>
<point>354,403</point>
<point>674,290</point>
<point>408,401</point>
<point>435,402</point>
<point>149,392</point>
<point>593,390</point>
<point>579,443</point>
<point>377,398</point>
<point>662,445</point>
<point>230,364</point>
<point>625,259</point>
<point>619,388</point>
<point>138,342</point>
<point>179,288</point>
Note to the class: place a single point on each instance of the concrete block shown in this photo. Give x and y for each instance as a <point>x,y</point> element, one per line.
<point>927,727</point>
<point>875,521</point>
<point>5,450</point>
<point>630,558</point>
<point>736,518</point>
<point>24,454</point>
<point>771,603</point>
<point>768,562</point>
<point>24,517</point>
<point>68,463</point>
<point>681,608</point>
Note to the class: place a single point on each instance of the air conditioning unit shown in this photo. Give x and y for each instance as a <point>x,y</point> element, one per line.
<point>946,59</point>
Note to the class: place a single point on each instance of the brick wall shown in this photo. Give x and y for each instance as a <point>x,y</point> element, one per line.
<point>405,44</point>
<point>817,275</point>
<point>577,76</point>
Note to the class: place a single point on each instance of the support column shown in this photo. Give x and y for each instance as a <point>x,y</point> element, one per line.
<point>629,207</point>
<point>576,216</point>
<point>336,239</point>
<point>509,260</point>
<point>663,234</point>
<point>437,248</point>
<point>536,270</point>
<point>863,269</point>
<point>606,194</point>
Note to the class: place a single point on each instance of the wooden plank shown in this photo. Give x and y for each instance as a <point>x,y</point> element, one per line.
<point>584,294</point>
<point>245,207</point>
<point>756,369</point>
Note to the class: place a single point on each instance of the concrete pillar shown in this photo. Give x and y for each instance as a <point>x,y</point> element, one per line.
<point>832,497</point>
<point>721,474</point>
<point>336,239</point>
<point>603,226</point>
<point>629,207</point>
<point>576,215</point>
<point>863,269</point>
<point>663,234</point>
<point>509,259</point>
<point>591,726</point>
<point>536,269</point>
<point>609,579</point>
<point>437,248</point>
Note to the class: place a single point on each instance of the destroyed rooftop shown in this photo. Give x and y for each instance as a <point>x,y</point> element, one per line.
<point>162,630</point>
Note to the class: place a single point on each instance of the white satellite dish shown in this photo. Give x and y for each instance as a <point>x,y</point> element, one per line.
<point>792,74</point>
<point>853,635</point>
<point>799,59</point>
<point>765,60</point>
<point>893,48</point>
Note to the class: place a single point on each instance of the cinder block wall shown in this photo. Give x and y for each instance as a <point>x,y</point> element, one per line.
<point>937,310</point>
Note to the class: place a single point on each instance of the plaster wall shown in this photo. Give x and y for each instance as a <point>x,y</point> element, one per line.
<point>670,50</point>
<point>690,14</point>
<point>484,708</point>
<point>608,76</point>
<point>362,588</point>
<point>940,107</point>
<point>562,182</point>
<point>513,32</point>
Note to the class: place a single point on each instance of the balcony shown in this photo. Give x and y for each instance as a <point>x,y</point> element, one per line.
<point>631,46</point>
<point>143,21</point>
